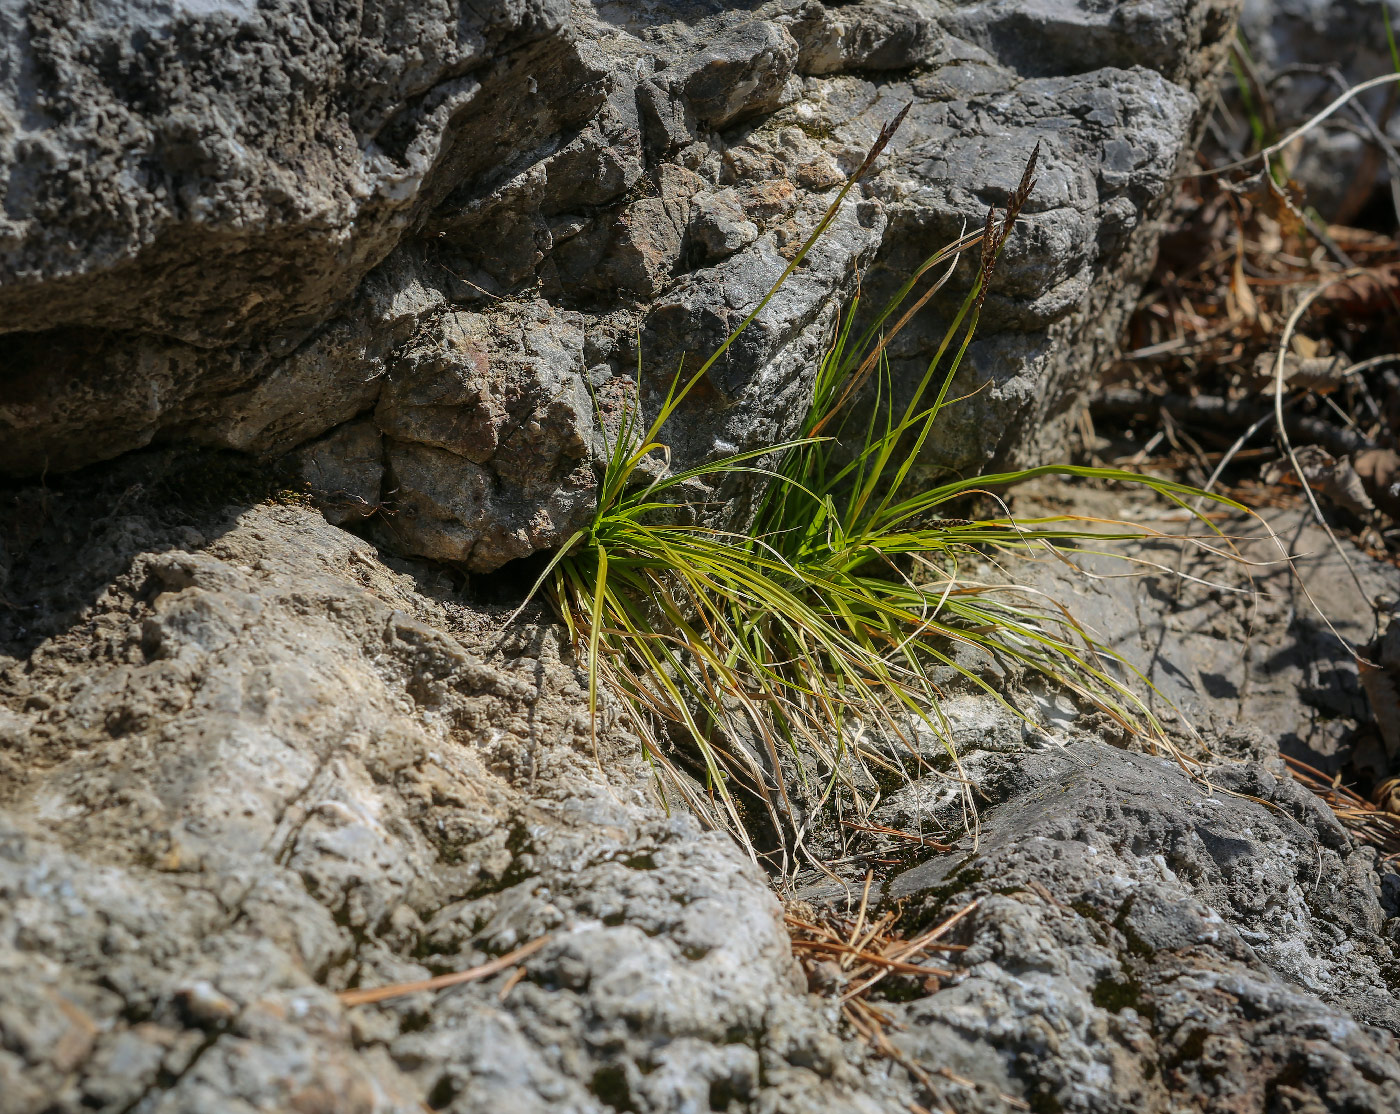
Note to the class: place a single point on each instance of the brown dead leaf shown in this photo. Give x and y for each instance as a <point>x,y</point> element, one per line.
<point>1386,796</point>
<point>1379,470</point>
<point>1245,305</point>
<point>1333,478</point>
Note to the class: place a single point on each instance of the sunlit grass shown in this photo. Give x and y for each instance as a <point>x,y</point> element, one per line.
<point>768,652</point>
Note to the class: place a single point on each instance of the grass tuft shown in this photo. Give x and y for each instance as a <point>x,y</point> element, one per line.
<point>788,658</point>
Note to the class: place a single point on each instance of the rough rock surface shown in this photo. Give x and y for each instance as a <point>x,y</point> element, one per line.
<point>304,225</point>
<point>1139,941</point>
<point>1205,642</point>
<point>246,764</point>
<point>249,761</point>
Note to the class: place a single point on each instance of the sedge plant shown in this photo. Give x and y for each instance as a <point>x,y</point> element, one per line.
<point>775,655</point>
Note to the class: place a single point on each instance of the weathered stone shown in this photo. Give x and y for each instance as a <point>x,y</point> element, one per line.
<point>253,280</point>
<point>490,438</point>
<point>443,395</point>
<point>870,36</point>
<point>1152,934</point>
<point>741,74</point>
<point>244,765</point>
<point>286,778</point>
<point>717,225</point>
<point>1177,38</point>
<point>1301,689</point>
<point>443,501</point>
<point>243,167</point>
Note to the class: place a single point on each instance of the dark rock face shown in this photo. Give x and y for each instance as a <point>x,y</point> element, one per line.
<point>211,173</point>
<point>246,226</point>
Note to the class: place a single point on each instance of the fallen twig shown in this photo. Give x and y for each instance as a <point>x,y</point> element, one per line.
<point>1367,821</point>
<point>398,990</point>
<point>1302,129</point>
<point>912,947</point>
<point>881,829</point>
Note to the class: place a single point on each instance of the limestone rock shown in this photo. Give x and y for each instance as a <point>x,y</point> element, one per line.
<point>870,36</point>
<point>280,776</point>
<point>242,228</point>
<point>245,765</point>
<point>1151,934</point>
<point>741,74</point>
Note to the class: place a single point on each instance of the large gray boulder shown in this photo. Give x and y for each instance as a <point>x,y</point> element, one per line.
<point>247,226</point>
<point>286,778</point>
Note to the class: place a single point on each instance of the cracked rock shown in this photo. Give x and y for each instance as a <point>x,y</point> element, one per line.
<point>245,765</point>
<point>303,220</point>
